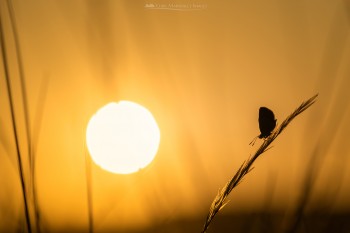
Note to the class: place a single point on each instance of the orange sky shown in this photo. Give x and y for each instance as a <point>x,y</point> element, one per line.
<point>203,74</point>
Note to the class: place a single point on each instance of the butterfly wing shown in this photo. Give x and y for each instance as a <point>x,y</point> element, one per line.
<point>267,122</point>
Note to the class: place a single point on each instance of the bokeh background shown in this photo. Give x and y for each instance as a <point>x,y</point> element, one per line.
<point>203,68</point>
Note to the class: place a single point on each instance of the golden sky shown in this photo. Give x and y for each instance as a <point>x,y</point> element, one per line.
<point>203,68</point>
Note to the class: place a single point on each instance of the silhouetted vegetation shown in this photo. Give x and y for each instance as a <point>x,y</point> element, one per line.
<point>220,199</point>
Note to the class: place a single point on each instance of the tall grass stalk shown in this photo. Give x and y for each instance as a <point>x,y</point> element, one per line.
<point>35,138</point>
<point>89,190</point>
<point>22,79</point>
<point>14,125</point>
<point>220,199</point>
<point>30,151</point>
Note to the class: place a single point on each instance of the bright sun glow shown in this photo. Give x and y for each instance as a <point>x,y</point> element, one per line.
<point>122,137</point>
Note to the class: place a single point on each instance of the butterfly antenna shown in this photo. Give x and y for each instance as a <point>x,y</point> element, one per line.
<point>253,141</point>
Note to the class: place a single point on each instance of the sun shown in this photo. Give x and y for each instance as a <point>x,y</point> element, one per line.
<point>122,137</point>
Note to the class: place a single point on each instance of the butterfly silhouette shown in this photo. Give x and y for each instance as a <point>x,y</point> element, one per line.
<point>267,123</point>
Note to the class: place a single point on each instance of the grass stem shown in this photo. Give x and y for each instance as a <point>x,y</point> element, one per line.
<point>89,190</point>
<point>220,199</point>
<point>14,125</point>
